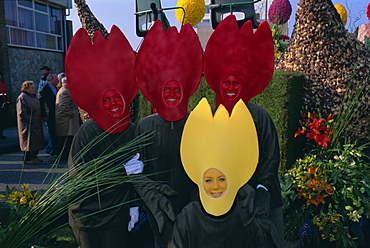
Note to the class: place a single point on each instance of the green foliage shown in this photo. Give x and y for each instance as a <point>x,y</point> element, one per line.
<point>142,108</point>
<point>203,91</point>
<point>282,99</point>
<point>332,189</point>
<point>367,41</point>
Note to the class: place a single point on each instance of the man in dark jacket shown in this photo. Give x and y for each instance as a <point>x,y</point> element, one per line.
<point>47,99</point>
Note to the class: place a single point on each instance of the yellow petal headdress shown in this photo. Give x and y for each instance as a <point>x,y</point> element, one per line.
<point>227,143</point>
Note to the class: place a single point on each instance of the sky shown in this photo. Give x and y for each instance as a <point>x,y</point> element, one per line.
<point>121,13</point>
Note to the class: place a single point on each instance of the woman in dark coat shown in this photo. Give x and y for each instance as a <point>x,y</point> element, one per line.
<point>31,136</point>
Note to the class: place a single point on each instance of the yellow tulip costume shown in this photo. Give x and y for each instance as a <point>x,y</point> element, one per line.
<point>226,143</point>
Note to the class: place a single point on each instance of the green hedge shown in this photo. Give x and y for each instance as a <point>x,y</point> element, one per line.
<point>282,99</point>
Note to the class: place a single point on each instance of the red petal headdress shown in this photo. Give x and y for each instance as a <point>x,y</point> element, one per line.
<point>169,56</point>
<point>94,68</point>
<point>241,53</point>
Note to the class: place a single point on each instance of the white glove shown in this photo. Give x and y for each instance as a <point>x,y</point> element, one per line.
<point>134,213</point>
<point>261,186</point>
<point>134,166</point>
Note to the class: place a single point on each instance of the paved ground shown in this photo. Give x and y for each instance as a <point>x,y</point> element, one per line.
<point>13,172</point>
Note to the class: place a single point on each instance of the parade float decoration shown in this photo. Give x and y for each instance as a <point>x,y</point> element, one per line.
<point>342,12</point>
<point>190,11</point>
<point>279,11</point>
<point>333,61</point>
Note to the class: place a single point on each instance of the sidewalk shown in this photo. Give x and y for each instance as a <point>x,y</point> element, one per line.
<point>11,143</point>
<point>13,172</point>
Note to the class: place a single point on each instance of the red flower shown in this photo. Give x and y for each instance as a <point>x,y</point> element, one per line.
<point>284,37</point>
<point>316,129</point>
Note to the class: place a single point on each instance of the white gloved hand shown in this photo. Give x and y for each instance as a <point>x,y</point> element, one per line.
<point>134,166</point>
<point>134,213</point>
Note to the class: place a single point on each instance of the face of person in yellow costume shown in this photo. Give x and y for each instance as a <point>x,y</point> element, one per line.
<point>214,183</point>
<point>172,93</point>
<point>113,103</point>
<point>230,88</point>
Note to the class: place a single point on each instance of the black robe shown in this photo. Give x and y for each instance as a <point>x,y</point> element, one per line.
<point>196,229</point>
<point>164,157</point>
<point>118,216</point>
<point>267,170</point>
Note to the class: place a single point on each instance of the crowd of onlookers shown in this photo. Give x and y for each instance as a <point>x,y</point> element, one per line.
<point>51,103</point>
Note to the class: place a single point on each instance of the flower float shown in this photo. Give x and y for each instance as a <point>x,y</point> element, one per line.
<point>342,12</point>
<point>327,191</point>
<point>279,11</point>
<point>194,11</point>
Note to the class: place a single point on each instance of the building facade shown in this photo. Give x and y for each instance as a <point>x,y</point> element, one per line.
<point>33,33</point>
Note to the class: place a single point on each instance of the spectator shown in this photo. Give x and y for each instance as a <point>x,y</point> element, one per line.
<point>47,99</point>
<point>67,120</point>
<point>31,136</point>
<point>60,77</point>
<point>43,79</point>
<point>4,101</point>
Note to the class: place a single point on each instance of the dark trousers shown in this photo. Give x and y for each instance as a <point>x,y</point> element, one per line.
<point>110,238</point>
<point>64,145</point>
<point>51,147</point>
<point>30,154</point>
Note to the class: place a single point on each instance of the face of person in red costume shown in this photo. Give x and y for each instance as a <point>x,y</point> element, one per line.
<point>214,183</point>
<point>113,103</point>
<point>230,88</point>
<point>172,93</point>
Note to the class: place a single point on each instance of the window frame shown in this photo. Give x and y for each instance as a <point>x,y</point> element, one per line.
<point>25,40</point>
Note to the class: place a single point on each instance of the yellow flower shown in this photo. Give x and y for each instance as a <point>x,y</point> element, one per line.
<point>342,12</point>
<point>23,200</point>
<point>31,203</point>
<point>194,11</point>
<point>28,193</point>
<point>24,187</point>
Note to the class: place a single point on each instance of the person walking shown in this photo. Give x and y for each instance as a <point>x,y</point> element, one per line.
<point>31,136</point>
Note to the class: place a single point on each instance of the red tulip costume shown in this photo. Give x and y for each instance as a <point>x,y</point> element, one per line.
<point>247,56</point>
<point>168,70</point>
<point>166,57</point>
<point>93,68</point>
<point>101,81</point>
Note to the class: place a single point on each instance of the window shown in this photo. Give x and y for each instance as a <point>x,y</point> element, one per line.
<point>33,24</point>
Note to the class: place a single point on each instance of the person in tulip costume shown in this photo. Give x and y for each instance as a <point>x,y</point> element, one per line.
<point>239,64</point>
<point>106,97</point>
<point>220,154</point>
<point>168,71</point>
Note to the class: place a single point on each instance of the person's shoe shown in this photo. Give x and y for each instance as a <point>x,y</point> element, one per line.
<point>39,160</point>
<point>31,161</point>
